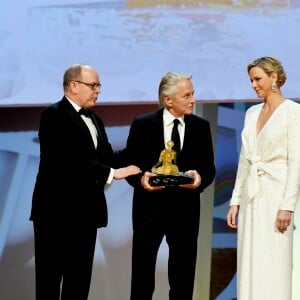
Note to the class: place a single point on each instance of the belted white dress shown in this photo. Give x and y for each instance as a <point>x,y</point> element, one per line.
<point>268,179</point>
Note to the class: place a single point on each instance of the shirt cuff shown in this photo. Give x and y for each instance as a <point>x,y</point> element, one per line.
<point>110,176</point>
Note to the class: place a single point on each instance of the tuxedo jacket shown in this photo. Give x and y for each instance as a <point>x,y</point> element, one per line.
<point>173,205</point>
<point>72,172</point>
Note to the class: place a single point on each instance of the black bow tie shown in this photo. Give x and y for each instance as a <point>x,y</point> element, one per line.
<point>85,112</point>
<point>90,114</point>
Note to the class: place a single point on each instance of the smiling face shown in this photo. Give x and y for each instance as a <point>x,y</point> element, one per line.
<point>267,76</point>
<point>262,82</point>
<point>182,101</point>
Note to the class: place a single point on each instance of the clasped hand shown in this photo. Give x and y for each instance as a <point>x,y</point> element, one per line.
<point>147,175</point>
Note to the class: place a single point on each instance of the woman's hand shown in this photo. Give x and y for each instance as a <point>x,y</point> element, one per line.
<point>232,216</point>
<point>283,220</point>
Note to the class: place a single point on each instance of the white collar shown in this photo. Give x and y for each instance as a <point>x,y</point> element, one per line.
<point>75,105</point>
<point>169,118</point>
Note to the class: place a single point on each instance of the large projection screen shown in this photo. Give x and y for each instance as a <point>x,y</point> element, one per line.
<point>133,43</point>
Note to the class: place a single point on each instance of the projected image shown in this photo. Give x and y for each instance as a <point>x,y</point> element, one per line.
<point>134,43</point>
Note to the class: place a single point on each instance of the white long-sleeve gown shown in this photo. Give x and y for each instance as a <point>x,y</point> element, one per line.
<point>268,179</point>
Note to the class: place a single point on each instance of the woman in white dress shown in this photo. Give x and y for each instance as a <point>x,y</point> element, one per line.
<point>266,188</point>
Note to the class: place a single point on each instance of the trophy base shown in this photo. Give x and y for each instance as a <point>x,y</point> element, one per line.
<point>171,180</point>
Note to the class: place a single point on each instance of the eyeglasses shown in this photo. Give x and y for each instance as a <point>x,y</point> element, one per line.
<point>92,86</point>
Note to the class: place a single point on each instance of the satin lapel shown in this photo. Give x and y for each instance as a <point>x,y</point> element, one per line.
<point>188,132</point>
<point>66,105</point>
<point>158,131</point>
<point>94,119</point>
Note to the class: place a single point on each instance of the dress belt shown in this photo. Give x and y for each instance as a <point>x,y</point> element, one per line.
<point>259,168</point>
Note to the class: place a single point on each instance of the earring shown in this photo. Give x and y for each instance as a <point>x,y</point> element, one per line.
<point>274,86</point>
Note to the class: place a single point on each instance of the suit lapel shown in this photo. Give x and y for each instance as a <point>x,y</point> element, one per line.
<point>67,106</point>
<point>158,130</point>
<point>188,132</point>
<point>95,121</point>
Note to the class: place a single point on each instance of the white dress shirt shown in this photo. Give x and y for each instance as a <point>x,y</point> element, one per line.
<point>93,130</point>
<point>168,119</point>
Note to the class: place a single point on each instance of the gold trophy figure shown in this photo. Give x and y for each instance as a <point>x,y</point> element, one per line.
<point>167,170</point>
<point>166,164</point>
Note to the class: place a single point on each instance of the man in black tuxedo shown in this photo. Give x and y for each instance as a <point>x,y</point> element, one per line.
<point>68,202</point>
<point>173,211</point>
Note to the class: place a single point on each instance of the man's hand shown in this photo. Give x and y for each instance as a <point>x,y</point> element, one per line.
<point>146,185</point>
<point>126,171</point>
<point>196,182</point>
